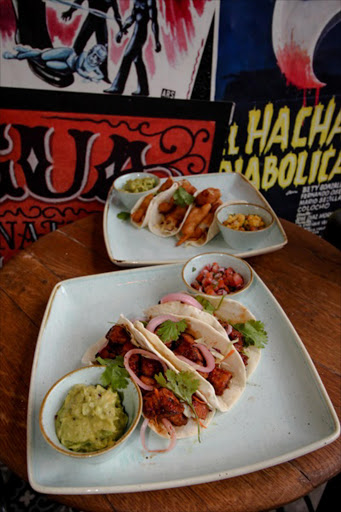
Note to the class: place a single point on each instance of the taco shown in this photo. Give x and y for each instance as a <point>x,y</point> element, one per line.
<point>190,344</point>
<point>230,318</point>
<point>169,210</point>
<point>166,413</point>
<point>201,225</point>
<point>140,213</point>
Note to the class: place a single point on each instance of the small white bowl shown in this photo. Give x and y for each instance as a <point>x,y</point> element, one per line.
<point>244,239</point>
<point>130,198</point>
<point>54,399</point>
<point>194,266</point>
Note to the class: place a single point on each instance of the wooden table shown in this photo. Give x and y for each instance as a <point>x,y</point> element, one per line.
<point>304,277</point>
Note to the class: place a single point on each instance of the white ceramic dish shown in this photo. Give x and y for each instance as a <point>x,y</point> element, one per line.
<point>128,199</point>
<point>54,399</point>
<point>128,246</point>
<point>194,266</point>
<point>284,412</point>
<point>243,240</point>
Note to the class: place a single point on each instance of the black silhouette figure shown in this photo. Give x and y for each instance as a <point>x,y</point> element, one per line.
<point>94,24</point>
<point>143,11</point>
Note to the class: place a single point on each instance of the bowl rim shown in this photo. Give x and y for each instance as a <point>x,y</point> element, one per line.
<point>128,175</point>
<point>225,254</point>
<point>245,204</point>
<point>86,455</point>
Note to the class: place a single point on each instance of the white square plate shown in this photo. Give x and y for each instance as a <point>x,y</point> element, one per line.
<point>128,246</point>
<point>284,412</point>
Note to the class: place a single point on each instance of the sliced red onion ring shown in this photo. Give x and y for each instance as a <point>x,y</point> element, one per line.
<point>228,329</point>
<point>155,322</point>
<point>181,297</point>
<point>209,358</point>
<point>170,430</point>
<point>133,375</point>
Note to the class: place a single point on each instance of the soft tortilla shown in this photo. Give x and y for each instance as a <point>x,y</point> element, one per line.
<point>208,336</point>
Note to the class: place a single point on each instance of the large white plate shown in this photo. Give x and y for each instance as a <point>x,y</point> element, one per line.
<point>284,412</point>
<point>128,246</point>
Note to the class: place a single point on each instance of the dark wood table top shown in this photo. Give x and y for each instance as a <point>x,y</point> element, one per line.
<point>304,276</point>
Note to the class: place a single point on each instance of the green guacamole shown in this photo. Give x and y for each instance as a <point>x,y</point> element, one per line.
<point>90,419</point>
<point>139,185</point>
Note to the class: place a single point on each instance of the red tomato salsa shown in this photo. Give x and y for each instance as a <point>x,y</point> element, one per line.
<point>216,280</point>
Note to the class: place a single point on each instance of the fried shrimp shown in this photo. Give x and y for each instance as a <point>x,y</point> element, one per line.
<point>195,217</point>
<point>208,196</point>
<point>139,214</point>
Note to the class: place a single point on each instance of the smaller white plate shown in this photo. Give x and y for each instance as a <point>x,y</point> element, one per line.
<point>128,246</point>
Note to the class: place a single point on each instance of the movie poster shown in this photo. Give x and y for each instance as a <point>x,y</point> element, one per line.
<point>151,48</point>
<point>57,165</point>
<point>284,74</point>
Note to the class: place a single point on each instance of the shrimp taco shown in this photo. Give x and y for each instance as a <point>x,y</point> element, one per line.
<point>201,225</point>
<point>166,412</point>
<point>228,317</point>
<point>190,344</point>
<point>169,210</point>
<point>140,213</point>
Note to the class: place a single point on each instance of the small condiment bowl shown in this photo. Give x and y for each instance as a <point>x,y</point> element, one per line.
<point>128,199</point>
<point>54,399</point>
<point>243,240</point>
<point>194,266</point>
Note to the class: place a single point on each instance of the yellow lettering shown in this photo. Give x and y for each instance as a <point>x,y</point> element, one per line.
<point>270,172</point>
<point>299,178</point>
<point>238,165</point>
<point>233,149</point>
<point>336,169</point>
<point>336,128</point>
<point>280,131</point>
<point>324,164</point>
<point>255,133</point>
<point>297,141</point>
<point>252,171</point>
<point>317,126</point>
<point>285,176</point>
<point>314,166</point>
<point>225,166</point>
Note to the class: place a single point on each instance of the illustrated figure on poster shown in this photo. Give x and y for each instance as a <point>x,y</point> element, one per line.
<point>143,11</point>
<point>94,24</point>
<point>87,64</point>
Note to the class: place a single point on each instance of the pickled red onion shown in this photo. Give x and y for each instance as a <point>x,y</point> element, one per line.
<point>155,322</point>
<point>133,375</point>
<point>228,329</point>
<point>170,430</point>
<point>209,358</point>
<point>181,297</point>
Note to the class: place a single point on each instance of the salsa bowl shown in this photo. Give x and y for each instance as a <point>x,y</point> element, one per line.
<point>54,399</point>
<point>193,270</point>
<point>244,240</point>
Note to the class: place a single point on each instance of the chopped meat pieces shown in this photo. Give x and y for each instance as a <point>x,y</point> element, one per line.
<point>219,379</point>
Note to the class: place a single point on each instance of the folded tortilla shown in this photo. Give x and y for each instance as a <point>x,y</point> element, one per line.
<point>229,311</point>
<point>140,341</point>
<point>219,347</point>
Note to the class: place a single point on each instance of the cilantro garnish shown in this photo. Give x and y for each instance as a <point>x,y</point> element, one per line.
<point>183,385</point>
<point>208,307</point>
<point>182,197</point>
<point>253,332</point>
<point>123,215</point>
<point>170,331</point>
<point>115,374</point>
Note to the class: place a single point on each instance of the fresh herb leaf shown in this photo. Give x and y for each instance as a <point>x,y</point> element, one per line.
<point>182,197</point>
<point>170,331</point>
<point>208,307</point>
<point>183,385</point>
<point>253,332</point>
<point>123,215</point>
<point>115,374</point>
<point>193,269</point>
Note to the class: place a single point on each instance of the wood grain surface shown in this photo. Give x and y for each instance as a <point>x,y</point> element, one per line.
<point>304,277</point>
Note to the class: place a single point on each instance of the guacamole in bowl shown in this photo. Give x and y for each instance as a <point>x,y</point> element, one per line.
<point>82,418</point>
